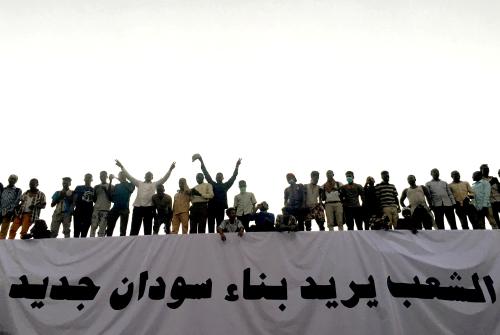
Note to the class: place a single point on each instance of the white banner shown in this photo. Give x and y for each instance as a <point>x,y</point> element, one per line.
<point>438,282</point>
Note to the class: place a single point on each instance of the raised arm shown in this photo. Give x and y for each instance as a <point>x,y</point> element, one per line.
<point>205,171</point>
<point>167,175</point>
<point>231,180</point>
<point>134,181</point>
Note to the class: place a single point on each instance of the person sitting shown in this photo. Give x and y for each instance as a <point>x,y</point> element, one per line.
<point>286,221</point>
<point>38,231</point>
<point>231,225</point>
<point>407,222</point>
<point>264,221</point>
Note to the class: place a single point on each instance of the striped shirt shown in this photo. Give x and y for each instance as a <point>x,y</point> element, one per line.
<point>10,199</point>
<point>386,194</point>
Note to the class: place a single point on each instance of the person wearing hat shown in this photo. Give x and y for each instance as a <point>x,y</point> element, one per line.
<point>9,200</point>
<point>63,202</point>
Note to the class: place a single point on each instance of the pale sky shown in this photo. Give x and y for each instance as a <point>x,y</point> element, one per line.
<point>289,86</point>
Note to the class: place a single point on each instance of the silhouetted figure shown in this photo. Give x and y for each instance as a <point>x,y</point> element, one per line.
<point>231,225</point>
<point>485,173</point>
<point>218,204</point>
<point>295,200</point>
<point>143,204</point>
<point>38,231</point>
<point>244,203</point>
<point>83,202</point>
<point>120,196</point>
<point>8,202</point>
<point>350,195</point>
<point>463,193</point>
<point>63,202</point>
<point>32,202</point>
<point>333,206</point>
<point>370,204</point>
<point>314,206</point>
<point>387,198</point>
<point>418,197</point>
<point>442,201</point>
<point>495,198</point>
<point>200,195</point>
<point>481,201</point>
<point>407,222</point>
<point>286,221</point>
<point>162,203</point>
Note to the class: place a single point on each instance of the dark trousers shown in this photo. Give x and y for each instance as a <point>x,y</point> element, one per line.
<point>299,214</point>
<point>440,212</point>
<point>113,216</point>
<point>82,220</point>
<point>140,215</point>
<point>245,220</point>
<point>464,211</point>
<point>422,217</point>
<point>215,218</point>
<point>159,219</point>
<point>198,214</point>
<point>351,215</point>
<point>496,209</point>
<point>481,216</point>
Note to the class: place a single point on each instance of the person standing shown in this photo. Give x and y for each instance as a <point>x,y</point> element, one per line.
<point>370,205</point>
<point>162,204</point>
<point>9,200</point>
<point>32,202</point>
<point>218,204</point>
<point>102,199</point>
<point>350,195</point>
<point>314,206</point>
<point>462,192</point>
<point>143,204</point>
<point>482,194</point>
<point>419,210</point>
<point>120,196</point>
<point>295,201</point>
<point>387,198</point>
<point>442,200</point>
<point>333,206</point>
<point>200,195</point>
<point>83,204</point>
<point>180,213</point>
<point>63,201</point>
<point>244,204</point>
<point>485,173</point>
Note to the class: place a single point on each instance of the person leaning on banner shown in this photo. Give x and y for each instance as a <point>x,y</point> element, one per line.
<point>231,225</point>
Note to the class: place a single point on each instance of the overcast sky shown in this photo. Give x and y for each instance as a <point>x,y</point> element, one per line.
<point>289,86</point>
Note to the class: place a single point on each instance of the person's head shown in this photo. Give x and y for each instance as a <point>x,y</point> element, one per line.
<point>435,174</point>
<point>329,175</point>
<point>477,175</point>
<point>284,210</point>
<point>231,213</point>
<point>411,180</point>
<point>121,177</point>
<point>314,177</point>
<point>40,225</point>
<point>406,212</point>
<point>87,179</point>
<point>160,189</point>
<point>33,184</point>
<point>243,186</point>
<point>455,175</point>
<point>66,182</point>
<point>385,176</point>
<point>349,176</point>
<point>148,177</point>
<point>290,178</point>
<point>12,180</point>
<point>219,177</point>
<point>370,180</point>
<point>485,170</point>
<point>103,176</point>
<point>182,183</point>
<point>263,206</point>
<point>199,178</point>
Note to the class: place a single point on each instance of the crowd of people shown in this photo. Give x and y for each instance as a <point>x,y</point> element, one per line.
<point>96,209</point>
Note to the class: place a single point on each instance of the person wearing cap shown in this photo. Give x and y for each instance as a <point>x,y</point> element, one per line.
<point>295,202</point>
<point>333,207</point>
<point>418,197</point>
<point>143,204</point>
<point>442,201</point>
<point>485,173</point>
<point>218,204</point>
<point>244,203</point>
<point>63,202</point>
<point>9,200</point>
<point>32,202</point>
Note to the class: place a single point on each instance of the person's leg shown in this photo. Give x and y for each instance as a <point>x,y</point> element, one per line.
<point>112,218</point>
<point>94,222</point>
<point>329,216</point>
<point>148,220</point>
<point>136,221</point>
<point>176,220</point>
<point>472,215</point>
<point>193,220</point>
<point>211,219</point>
<point>5,226</point>
<point>15,227</point>
<point>184,218</point>
<point>481,215</point>
<point>358,218</point>
<point>491,218</point>
<point>55,224</point>
<point>156,224</point>
<point>66,223</point>
<point>338,213</point>
<point>439,215</point>
<point>460,210</point>
<point>245,220</point>
<point>86,222</point>
<point>77,223</point>
<point>103,223</point>
<point>202,228</point>
<point>450,217</point>
<point>26,223</point>
<point>124,213</point>
<point>349,218</point>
